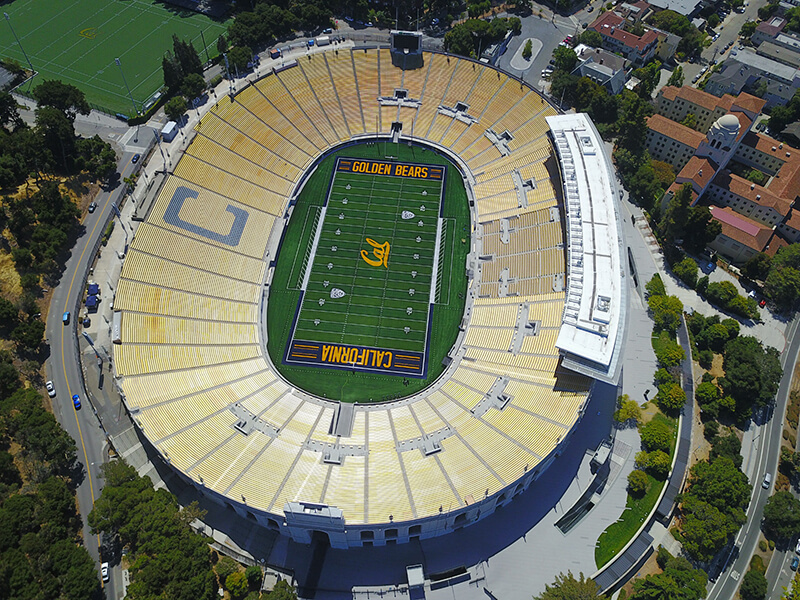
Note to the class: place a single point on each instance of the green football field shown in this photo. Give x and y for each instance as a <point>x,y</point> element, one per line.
<point>384,285</point>
<point>77,41</point>
<point>384,305</point>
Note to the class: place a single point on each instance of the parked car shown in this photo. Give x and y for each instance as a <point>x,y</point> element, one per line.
<point>797,548</point>
<point>76,401</point>
<point>795,563</point>
<point>51,389</point>
<point>590,9</point>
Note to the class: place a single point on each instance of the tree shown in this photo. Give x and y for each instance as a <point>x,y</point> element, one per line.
<point>748,29</point>
<point>723,485</point>
<point>782,286</point>
<point>239,57</point>
<point>567,587</point>
<point>187,57</point>
<point>676,216</point>
<point>656,435</point>
<point>686,271</point>
<point>193,86</point>
<point>254,577</point>
<point>527,51</point>
<point>757,266</point>
<point>222,44</point>
<point>284,591</point>
<point>666,311</point>
<point>658,464</point>
<point>676,79</point>
<point>754,585</point>
<point>236,584</point>
<point>172,72</point>
<point>57,133</point>
<point>565,59</point>
<point>707,394</point>
<point>655,287</point>
<point>679,581</point>
<point>63,97</point>
<point>628,410</point>
<point>226,566</point>
<point>782,516</point>
<point>752,372</point>
<point>705,529</point>
<point>171,561</point>
<point>671,397</point>
<point>28,334</point>
<point>669,353</point>
<point>637,483</point>
<point>459,40</point>
<point>175,108</point>
<point>727,445</point>
<point>592,38</point>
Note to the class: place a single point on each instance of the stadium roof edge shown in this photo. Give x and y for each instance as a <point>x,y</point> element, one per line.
<point>591,334</point>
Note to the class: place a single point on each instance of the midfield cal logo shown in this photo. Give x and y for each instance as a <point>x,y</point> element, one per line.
<point>381,252</point>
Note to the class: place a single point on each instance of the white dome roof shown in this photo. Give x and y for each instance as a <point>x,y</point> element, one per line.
<point>728,122</point>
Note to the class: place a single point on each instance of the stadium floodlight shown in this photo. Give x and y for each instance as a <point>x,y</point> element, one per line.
<point>119,64</point>
<point>8,20</point>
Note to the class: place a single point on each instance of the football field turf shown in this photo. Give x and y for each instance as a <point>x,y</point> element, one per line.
<point>364,302</point>
<point>370,269</point>
<point>77,41</point>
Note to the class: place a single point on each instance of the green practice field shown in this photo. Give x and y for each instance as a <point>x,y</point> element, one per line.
<point>77,41</point>
<point>383,286</point>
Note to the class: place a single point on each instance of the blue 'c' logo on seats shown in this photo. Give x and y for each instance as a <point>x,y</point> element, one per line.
<point>172,216</point>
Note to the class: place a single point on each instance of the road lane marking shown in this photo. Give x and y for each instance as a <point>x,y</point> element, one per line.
<point>64,366</point>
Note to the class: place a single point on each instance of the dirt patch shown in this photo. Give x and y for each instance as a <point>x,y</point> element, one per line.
<point>650,567</point>
<point>649,409</point>
<point>716,367</point>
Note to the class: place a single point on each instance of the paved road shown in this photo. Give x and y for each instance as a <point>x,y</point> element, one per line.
<point>63,366</point>
<point>725,587</point>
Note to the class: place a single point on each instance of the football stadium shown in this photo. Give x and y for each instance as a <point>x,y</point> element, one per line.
<point>370,302</point>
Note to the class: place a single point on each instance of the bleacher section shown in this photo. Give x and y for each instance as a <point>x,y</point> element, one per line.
<point>191,361</point>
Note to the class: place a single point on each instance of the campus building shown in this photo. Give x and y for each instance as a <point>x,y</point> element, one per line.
<point>717,156</point>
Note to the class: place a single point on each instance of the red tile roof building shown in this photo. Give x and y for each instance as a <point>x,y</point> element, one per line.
<point>637,49</point>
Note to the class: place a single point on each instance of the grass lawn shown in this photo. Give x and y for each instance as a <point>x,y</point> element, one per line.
<point>381,312</point>
<point>77,42</point>
<point>618,534</point>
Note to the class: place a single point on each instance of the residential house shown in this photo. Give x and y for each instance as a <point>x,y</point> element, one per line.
<point>601,66</point>
<point>637,49</point>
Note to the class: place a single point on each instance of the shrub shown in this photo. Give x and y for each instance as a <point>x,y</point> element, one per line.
<point>762,545</point>
<point>705,358</point>
<point>658,464</point>
<point>628,410</point>
<point>686,271</point>
<point>656,435</point>
<point>669,354</point>
<point>225,567</point>
<point>702,285</point>
<point>236,584</point>
<point>655,287</point>
<point>662,377</point>
<point>637,483</point>
<point>671,397</point>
